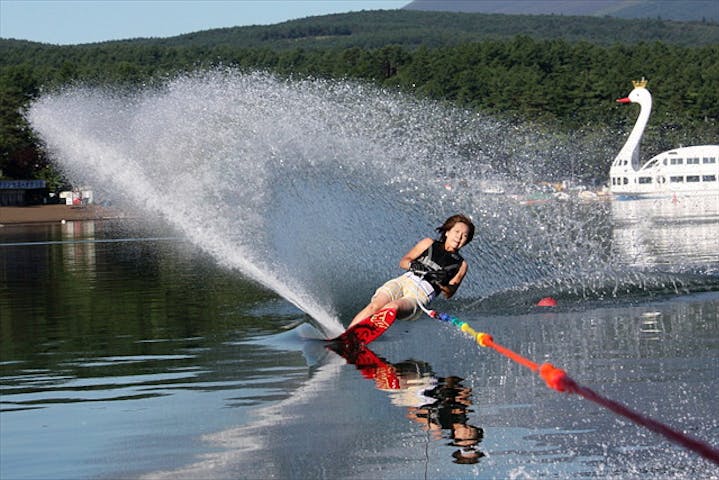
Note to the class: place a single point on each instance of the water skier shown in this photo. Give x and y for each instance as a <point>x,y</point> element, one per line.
<point>434,267</point>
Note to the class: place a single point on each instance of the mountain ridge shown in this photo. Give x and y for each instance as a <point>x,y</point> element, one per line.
<point>413,28</point>
<point>678,10</point>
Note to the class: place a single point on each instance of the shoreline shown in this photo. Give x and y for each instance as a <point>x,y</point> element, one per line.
<point>36,214</point>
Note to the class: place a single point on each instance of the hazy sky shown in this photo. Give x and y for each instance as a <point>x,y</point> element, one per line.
<point>84,21</point>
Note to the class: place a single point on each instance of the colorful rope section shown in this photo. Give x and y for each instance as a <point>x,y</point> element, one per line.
<point>557,379</point>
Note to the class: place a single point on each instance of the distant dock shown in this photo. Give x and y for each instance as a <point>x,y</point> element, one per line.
<point>55,213</point>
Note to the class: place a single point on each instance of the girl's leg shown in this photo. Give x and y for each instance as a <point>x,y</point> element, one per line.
<point>406,307</point>
<point>378,302</point>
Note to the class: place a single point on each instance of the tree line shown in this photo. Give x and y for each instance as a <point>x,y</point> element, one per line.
<point>411,28</point>
<point>561,83</point>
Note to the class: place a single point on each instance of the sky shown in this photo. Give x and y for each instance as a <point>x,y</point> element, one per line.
<point>66,22</point>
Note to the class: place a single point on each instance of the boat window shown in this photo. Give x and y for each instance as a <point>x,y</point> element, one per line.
<point>693,161</point>
<point>625,180</point>
<point>709,160</point>
<point>645,179</point>
<point>692,178</point>
<point>665,161</point>
<point>709,178</point>
<point>676,179</point>
<point>661,179</point>
<point>677,161</point>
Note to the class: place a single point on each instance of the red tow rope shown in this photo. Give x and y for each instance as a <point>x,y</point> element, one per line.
<point>558,380</point>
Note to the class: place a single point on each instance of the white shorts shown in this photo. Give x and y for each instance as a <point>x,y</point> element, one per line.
<point>409,286</point>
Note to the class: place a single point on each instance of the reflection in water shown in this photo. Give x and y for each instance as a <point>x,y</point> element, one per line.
<point>440,405</point>
<point>448,411</point>
<point>679,231</point>
<point>78,249</point>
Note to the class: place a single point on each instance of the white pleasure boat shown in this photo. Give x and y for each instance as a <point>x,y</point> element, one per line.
<point>683,171</point>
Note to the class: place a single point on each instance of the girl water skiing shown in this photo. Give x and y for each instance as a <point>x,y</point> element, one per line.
<point>434,267</point>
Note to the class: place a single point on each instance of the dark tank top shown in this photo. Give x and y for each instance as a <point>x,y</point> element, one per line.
<point>436,258</point>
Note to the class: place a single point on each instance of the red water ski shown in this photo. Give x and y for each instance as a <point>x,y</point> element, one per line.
<point>368,330</point>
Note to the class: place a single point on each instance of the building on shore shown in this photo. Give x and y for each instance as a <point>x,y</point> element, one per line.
<point>18,193</point>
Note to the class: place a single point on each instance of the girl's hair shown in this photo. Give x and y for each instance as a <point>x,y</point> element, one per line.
<point>451,222</point>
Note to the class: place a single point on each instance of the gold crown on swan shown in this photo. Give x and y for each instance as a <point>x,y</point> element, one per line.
<point>640,83</point>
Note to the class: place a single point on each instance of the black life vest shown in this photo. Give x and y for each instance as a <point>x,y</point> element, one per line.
<point>436,258</point>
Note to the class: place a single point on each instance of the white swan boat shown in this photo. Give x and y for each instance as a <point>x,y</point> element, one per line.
<point>683,171</point>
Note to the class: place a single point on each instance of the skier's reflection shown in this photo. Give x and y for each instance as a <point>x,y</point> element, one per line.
<point>439,404</point>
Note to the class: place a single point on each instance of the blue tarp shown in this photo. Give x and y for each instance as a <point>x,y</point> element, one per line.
<point>21,184</point>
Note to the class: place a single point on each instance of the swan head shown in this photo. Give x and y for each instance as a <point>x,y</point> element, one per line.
<point>639,95</point>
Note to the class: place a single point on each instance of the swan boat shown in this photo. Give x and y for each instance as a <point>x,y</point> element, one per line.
<point>683,171</point>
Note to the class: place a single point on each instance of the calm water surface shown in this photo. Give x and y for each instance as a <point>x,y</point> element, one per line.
<point>127,354</point>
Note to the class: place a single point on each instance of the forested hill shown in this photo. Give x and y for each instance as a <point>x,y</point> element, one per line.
<point>563,72</point>
<point>378,28</point>
<point>681,10</point>
<point>374,29</point>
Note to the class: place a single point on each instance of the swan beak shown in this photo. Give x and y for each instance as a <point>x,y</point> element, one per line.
<point>624,100</point>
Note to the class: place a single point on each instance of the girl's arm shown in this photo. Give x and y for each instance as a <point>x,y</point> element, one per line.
<point>415,252</point>
<point>455,282</point>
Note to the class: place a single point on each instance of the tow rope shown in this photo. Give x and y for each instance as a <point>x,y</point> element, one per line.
<point>558,380</point>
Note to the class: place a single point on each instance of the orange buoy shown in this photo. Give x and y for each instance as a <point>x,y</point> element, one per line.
<point>547,302</point>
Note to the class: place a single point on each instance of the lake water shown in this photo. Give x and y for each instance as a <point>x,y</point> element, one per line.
<point>128,354</point>
<point>188,344</point>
